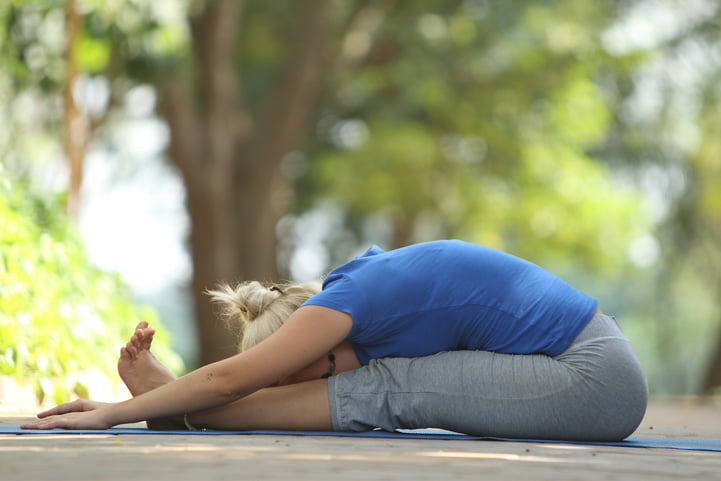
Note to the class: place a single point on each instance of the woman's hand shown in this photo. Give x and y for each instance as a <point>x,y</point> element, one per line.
<point>79,405</point>
<point>79,414</point>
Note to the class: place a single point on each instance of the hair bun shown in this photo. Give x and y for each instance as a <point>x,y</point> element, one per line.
<point>258,309</point>
<point>247,301</point>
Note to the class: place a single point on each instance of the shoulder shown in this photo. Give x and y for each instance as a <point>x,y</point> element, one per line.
<point>322,314</point>
<point>342,294</point>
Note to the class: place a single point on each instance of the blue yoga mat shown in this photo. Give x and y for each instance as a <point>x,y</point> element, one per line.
<point>631,442</point>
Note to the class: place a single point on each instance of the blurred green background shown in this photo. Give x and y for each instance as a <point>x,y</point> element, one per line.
<point>150,148</point>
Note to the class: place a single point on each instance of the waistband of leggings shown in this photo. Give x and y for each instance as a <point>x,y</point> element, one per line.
<point>600,325</point>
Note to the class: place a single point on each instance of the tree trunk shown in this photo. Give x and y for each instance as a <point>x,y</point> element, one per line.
<point>75,123</point>
<point>235,190</point>
<point>712,383</point>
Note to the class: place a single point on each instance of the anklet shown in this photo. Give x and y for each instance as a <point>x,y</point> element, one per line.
<point>189,426</point>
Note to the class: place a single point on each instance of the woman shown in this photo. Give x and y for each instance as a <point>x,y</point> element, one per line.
<point>443,334</point>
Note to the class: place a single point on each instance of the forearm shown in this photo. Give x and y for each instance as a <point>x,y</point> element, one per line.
<point>204,388</point>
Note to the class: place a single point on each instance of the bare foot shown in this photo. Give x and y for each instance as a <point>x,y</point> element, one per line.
<point>139,369</point>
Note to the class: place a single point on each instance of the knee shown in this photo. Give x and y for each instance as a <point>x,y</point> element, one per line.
<point>630,403</point>
<point>619,404</point>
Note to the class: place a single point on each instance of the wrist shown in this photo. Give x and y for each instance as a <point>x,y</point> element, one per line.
<point>110,415</point>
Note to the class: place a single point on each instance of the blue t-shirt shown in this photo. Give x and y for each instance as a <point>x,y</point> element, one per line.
<point>452,295</point>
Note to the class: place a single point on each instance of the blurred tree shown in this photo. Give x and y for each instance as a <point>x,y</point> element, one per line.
<point>475,116</point>
<point>59,315</point>
<point>667,136</point>
<point>478,119</point>
<point>472,119</point>
<point>75,124</point>
<point>239,104</point>
<point>515,124</point>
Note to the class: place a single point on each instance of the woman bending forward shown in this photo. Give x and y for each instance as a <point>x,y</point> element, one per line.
<point>442,334</point>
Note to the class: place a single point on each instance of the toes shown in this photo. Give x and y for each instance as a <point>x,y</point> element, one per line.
<point>135,341</point>
<point>141,340</point>
<point>128,354</point>
<point>148,335</point>
<point>145,338</point>
<point>131,350</point>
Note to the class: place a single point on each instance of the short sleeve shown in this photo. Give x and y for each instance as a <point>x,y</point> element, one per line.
<point>340,294</point>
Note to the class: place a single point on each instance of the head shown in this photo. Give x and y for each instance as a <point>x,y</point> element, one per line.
<point>258,309</point>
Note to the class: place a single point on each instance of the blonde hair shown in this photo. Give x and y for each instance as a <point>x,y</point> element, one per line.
<point>260,310</point>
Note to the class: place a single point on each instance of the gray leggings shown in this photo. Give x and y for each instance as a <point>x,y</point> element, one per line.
<point>595,391</point>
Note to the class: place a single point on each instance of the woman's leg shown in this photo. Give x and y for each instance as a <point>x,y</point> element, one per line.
<point>595,390</point>
<point>301,407</point>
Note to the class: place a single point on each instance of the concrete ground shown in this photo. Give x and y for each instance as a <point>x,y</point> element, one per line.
<point>60,457</point>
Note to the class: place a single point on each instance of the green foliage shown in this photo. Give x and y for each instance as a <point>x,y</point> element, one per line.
<point>59,315</point>
<point>483,118</point>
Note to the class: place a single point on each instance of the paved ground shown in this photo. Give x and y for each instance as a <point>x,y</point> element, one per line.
<point>300,458</point>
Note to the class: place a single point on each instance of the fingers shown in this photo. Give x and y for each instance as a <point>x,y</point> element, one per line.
<point>52,422</point>
<point>47,423</point>
<point>69,407</point>
<point>94,419</point>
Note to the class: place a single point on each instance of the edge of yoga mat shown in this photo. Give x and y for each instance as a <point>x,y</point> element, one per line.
<point>630,442</point>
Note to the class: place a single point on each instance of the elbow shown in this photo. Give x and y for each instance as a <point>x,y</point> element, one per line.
<point>225,386</point>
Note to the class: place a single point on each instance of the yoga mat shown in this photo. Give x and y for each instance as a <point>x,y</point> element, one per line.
<point>631,442</point>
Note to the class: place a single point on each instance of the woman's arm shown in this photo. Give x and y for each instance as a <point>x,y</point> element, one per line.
<point>308,334</point>
<point>302,406</point>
